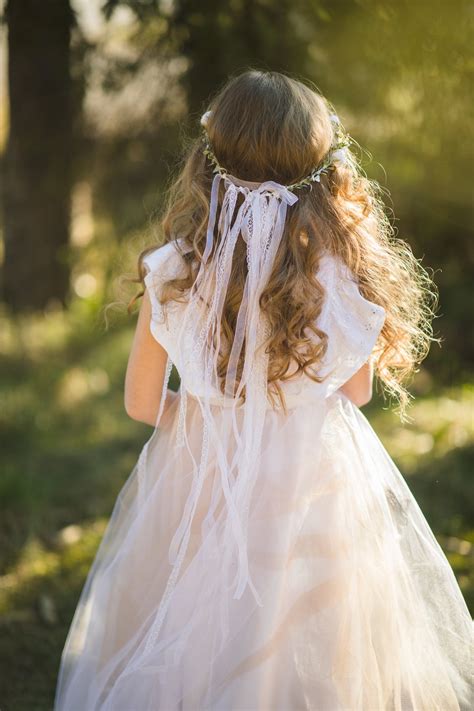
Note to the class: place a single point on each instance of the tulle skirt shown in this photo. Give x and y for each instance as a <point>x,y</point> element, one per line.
<point>360,608</point>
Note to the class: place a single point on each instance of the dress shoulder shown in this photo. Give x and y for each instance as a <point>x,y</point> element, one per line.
<point>163,263</point>
<point>166,258</point>
<point>351,322</point>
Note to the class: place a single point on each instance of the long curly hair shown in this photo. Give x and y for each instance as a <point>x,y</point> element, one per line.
<point>269,126</point>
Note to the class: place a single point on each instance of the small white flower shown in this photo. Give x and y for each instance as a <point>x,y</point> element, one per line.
<point>205,118</point>
<point>340,155</point>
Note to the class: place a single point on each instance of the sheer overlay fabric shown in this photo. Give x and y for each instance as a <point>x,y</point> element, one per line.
<point>262,560</point>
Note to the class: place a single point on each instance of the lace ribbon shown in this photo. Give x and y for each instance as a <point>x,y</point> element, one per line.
<point>260,220</point>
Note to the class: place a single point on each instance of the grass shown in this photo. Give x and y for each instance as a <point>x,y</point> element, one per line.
<point>68,447</point>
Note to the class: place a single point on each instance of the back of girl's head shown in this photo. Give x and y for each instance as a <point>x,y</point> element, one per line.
<point>269,126</point>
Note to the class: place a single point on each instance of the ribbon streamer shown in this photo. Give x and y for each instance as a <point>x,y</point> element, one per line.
<point>260,221</point>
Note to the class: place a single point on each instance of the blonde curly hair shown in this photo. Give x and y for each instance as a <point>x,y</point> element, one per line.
<point>269,126</point>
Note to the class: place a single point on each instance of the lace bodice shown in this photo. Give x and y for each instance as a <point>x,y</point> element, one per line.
<point>351,322</point>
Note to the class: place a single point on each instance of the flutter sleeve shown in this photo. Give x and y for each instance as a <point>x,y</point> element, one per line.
<point>351,322</point>
<point>156,266</point>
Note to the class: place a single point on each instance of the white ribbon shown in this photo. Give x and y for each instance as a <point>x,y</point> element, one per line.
<point>260,220</point>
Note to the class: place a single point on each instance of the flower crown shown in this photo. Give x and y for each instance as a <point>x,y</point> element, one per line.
<point>338,152</point>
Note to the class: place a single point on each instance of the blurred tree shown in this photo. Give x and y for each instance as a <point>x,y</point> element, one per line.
<point>219,38</point>
<point>38,156</point>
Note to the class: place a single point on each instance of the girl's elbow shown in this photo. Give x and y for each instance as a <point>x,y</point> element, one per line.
<point>142,409</point>
<point>364,399</point>
<point>357,395</point>
<point>133,409</point>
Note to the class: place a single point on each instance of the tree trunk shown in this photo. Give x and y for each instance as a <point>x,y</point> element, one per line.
<point>36,192</point>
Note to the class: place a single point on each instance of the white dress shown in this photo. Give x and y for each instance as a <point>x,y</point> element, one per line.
<point>358,607</point>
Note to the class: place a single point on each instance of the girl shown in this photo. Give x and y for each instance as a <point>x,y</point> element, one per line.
<point>265,552</point>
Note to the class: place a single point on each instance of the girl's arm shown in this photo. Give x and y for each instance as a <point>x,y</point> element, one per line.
<point>146,368</point>
<point>359,387</point>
